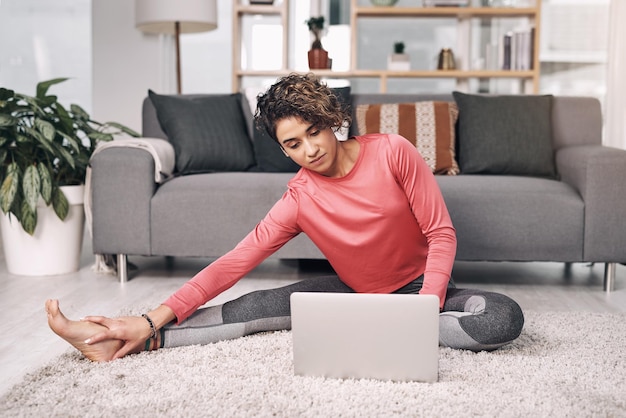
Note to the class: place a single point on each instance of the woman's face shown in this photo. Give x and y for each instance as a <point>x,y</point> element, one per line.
<point>308,146</point>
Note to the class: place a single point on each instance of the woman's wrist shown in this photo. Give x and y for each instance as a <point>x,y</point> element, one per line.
<point>153,329</point>
<point>161,316</point>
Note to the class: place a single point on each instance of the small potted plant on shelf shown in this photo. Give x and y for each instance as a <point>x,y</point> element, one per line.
<point>398,61</point>
<point>44,154</point>
<point>318,56</point>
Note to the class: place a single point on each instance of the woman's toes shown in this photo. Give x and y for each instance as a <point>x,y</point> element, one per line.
<point>76,332</point>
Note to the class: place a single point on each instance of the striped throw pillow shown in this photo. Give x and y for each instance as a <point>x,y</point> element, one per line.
<point>428,125</point>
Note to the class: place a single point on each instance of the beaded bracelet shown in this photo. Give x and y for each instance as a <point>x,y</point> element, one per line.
<point>153,330</point>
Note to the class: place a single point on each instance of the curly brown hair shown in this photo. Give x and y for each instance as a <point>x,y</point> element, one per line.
<point>301,96</point>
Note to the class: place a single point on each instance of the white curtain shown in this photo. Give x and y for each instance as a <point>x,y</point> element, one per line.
<point>615,129</point>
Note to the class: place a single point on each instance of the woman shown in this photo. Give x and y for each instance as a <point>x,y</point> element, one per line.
<point>371,205</point>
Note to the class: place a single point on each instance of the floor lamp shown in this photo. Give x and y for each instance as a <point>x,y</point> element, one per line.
<point>173,17</point>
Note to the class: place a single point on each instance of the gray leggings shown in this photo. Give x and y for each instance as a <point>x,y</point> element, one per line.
<point>471,319</point>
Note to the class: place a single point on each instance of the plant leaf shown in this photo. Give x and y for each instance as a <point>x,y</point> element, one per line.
<point>33,106</point>
<point>123,128</point>
<point>100,136</point>
<point>9,187</point>
<point>64,117</point>
<point>46,129</point>
<point>48,101</point>
<point>60,151</point>
<point>28,219</point>
<point>7,120</point>
<point>31,184</point>
<point>46,183</point>
<point>60,204</point>
<point>42,140</point>
<point>42,88</point>
<point>71,140</point>
<point>79,111</point>
<point>22,138</point>
<point>6,94</point>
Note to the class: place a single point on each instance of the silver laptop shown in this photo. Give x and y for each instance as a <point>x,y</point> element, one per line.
<point>371,336</point>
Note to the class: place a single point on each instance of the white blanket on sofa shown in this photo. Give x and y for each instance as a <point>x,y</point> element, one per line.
<point>164,160</point>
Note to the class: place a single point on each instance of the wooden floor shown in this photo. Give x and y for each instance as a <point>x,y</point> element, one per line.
<point>28,343</point>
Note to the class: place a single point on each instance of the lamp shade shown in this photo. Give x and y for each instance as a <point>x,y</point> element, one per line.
<point>160,16</point>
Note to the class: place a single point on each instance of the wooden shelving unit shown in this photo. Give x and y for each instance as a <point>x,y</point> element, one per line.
<point>377,11</point>
<point>461,14</point>
<point>241,9</point>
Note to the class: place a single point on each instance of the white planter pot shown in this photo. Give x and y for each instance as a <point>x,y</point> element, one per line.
<point>398,62</point>
<point>56,245</point>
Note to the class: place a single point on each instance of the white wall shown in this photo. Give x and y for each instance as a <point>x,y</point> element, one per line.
<point>41,40</point>
<point>126,62</point>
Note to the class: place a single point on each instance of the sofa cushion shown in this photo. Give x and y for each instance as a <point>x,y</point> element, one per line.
<point>208,133</point>
<point>429,125</point>
<point>505,135</point>
<point>222,217</point>
<point>514,218</point>
<point>267,153</point>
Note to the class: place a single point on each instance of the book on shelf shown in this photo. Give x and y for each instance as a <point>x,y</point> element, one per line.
<point>517,49</point>
<point>506,51</point>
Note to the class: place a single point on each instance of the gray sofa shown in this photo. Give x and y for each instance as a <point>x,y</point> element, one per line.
<point>575,217</point>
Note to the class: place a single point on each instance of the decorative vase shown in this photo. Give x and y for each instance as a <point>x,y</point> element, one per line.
<point>446,60</point>
<point>56,245</point>
<point>318,59</point>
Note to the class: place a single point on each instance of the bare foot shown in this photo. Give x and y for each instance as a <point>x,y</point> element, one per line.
<point>76,332</point>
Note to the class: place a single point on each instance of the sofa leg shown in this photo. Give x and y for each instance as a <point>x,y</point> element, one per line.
<point>567,270</point>
<point>609,277</point>
<point>122,268</point>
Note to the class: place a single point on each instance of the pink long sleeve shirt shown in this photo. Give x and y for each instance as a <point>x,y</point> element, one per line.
<point>381,226</point>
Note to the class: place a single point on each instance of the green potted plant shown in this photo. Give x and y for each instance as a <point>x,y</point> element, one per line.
<point>318,56</point>
<point>398,60</point>
<point>44,154</point>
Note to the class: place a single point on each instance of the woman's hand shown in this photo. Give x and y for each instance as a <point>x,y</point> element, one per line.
<point>132,330</point>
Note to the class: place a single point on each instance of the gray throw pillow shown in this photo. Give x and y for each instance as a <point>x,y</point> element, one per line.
<point>208,133</point>
<point>268,155</point>
<point>505,134</point>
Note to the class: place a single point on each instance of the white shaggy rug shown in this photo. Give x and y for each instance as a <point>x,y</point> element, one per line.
<point>563,364</point>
